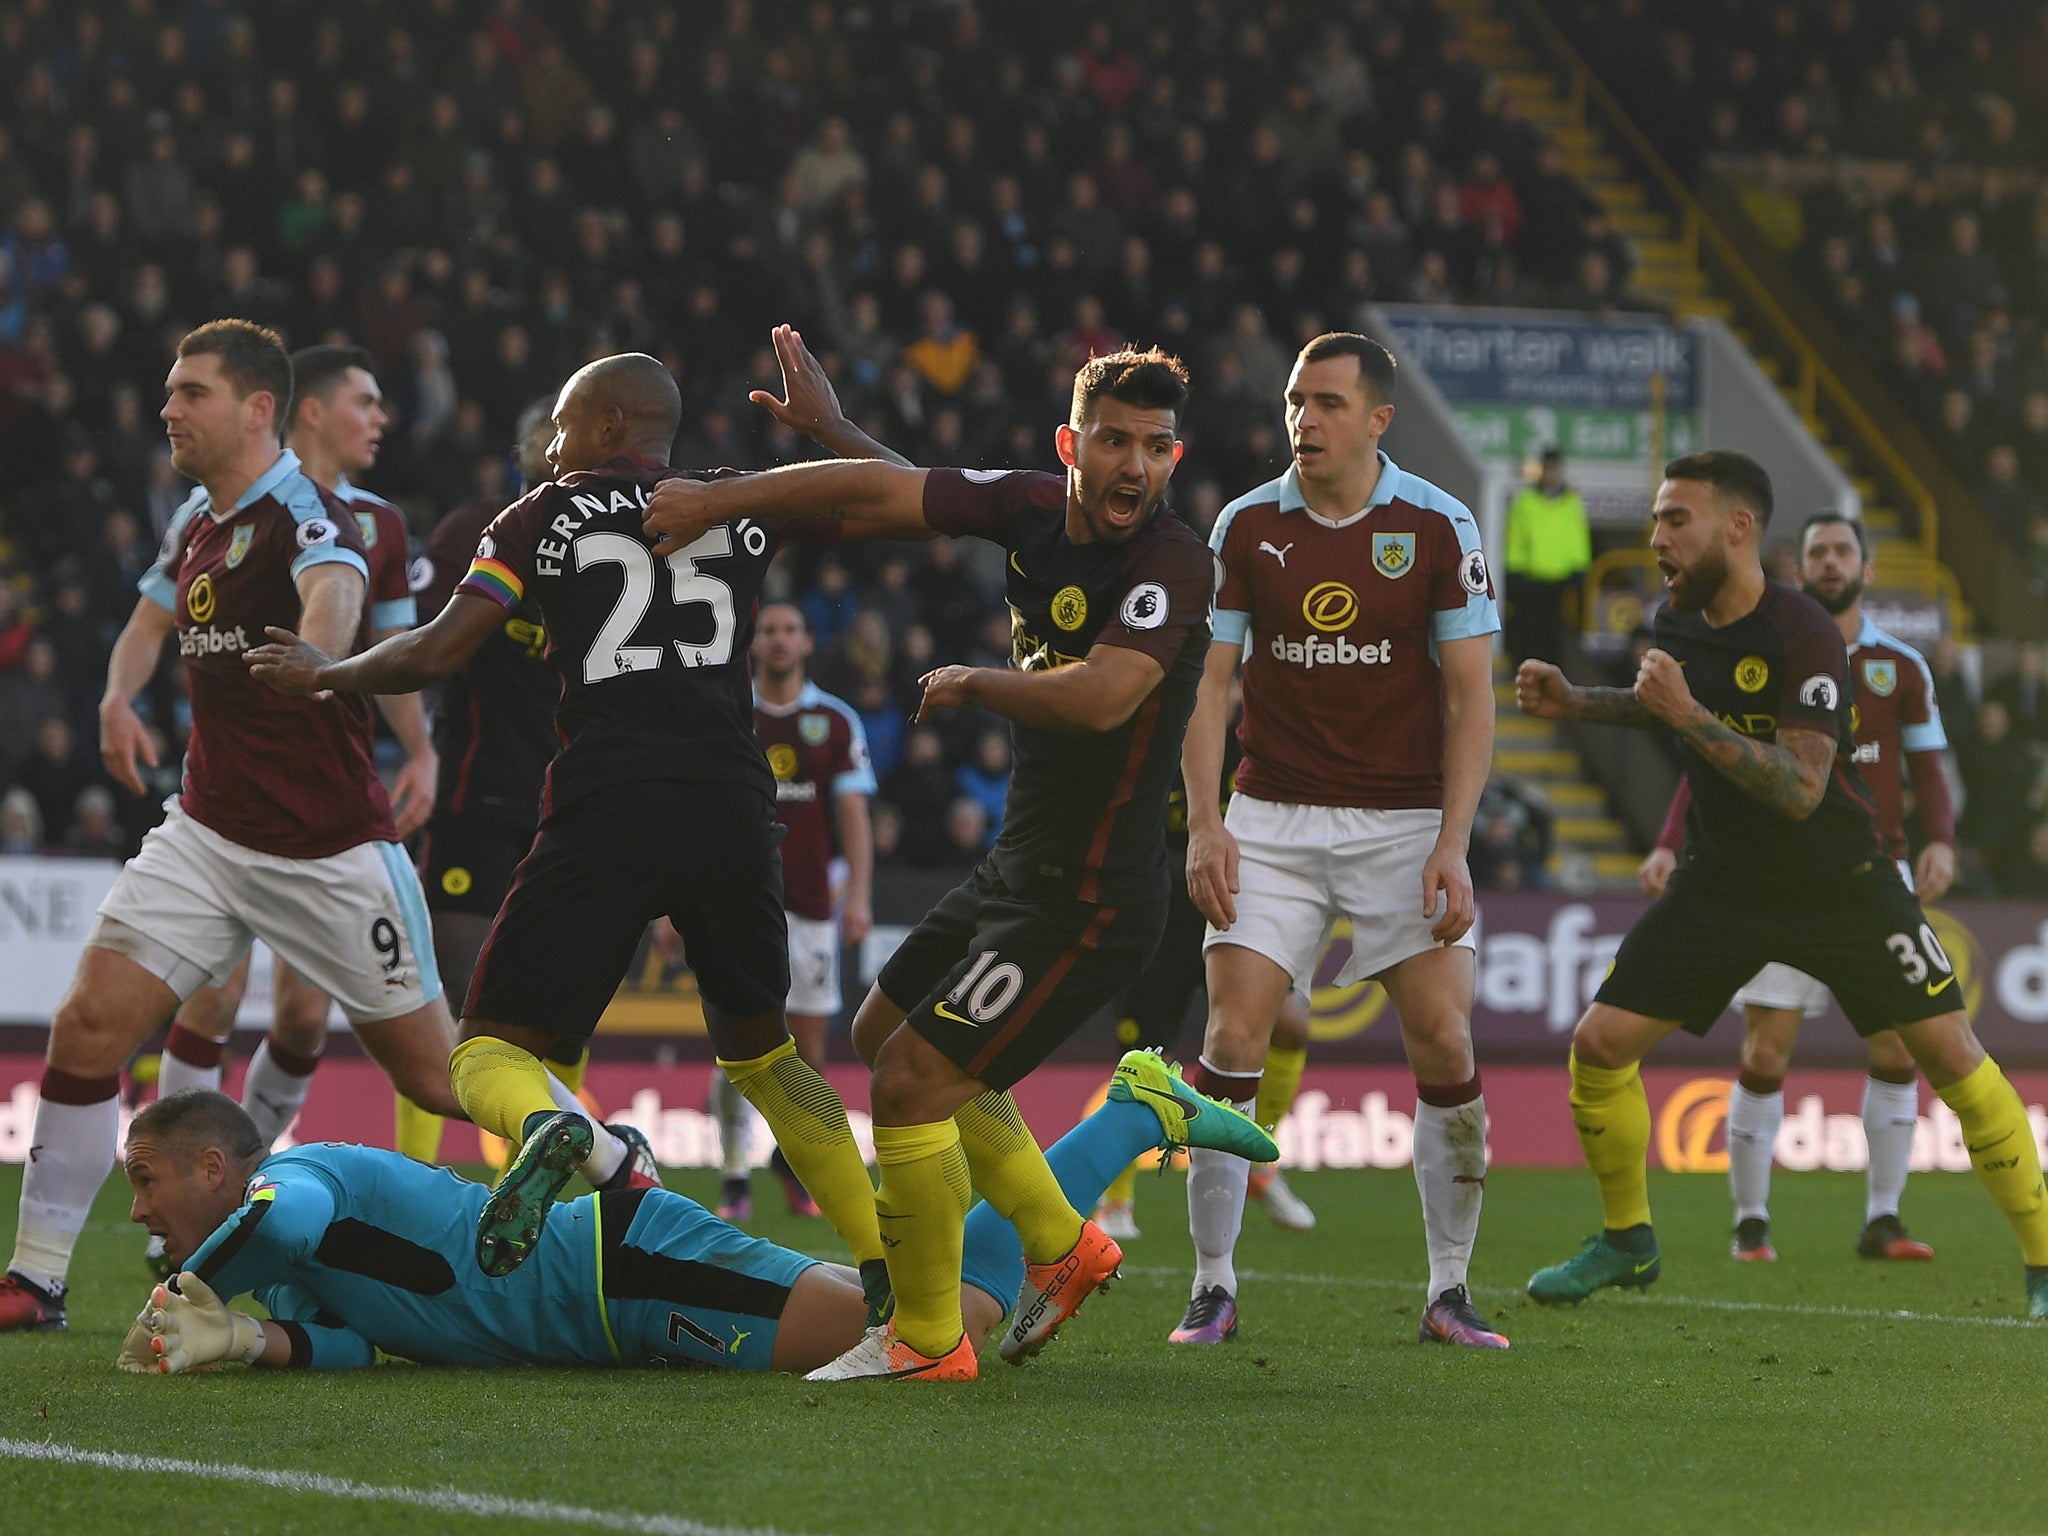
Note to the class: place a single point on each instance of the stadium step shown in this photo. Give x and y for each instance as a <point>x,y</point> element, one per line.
<point>1590,832</point>
<point>1538,762</point>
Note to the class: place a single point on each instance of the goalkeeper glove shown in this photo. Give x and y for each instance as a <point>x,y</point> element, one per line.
<point>137,1355</point>
<point>192,1327</point>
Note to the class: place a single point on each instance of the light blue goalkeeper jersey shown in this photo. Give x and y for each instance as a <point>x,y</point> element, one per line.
<point>355,1250</point>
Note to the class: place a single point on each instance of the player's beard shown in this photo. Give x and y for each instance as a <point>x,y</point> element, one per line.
<point>1700,584</point>
<point>1841,601</point>
<point>1101,528</point>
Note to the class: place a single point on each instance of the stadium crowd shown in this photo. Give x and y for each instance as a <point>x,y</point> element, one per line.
<point>487,195</point>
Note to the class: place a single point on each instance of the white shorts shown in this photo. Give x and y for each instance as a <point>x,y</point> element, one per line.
<point>1777,985</point>
<point>188,905</point>
<point>814,966</point>
<point>1301,867</point>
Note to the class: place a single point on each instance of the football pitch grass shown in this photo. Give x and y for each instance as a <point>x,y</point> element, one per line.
<point>1822,1393</point>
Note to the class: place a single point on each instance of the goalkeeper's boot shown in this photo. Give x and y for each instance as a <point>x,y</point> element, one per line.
<point>882,1356</point>
<point>1284,1208</point>
<point>1886,1237</point>
<point>1752,1242</point>
<point>1452,1319</point>
<point>514,1217</point>
<point>638,1170</point>
<point>26,1307</point>
<point>1188,1118</point>
<point>1597,1264</point>
<point>1053,1292</point>
<point>1211,1318</point>
<point>2037,1292</point>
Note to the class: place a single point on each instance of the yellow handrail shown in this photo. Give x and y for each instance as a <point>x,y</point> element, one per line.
<point>1814,379</point>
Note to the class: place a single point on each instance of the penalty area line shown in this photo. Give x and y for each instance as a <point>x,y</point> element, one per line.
<point>1778,1308</point>
<point>449,1501</point>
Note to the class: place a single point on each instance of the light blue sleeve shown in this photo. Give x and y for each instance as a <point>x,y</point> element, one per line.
<point>1227,626</point>
<point>320,1340</point>
<point>330,553</point>
<point>1925,735</point>
<point>395,613</point>
<point>1478,614</point>
<point>284,1214</point>
<point>158,583</point>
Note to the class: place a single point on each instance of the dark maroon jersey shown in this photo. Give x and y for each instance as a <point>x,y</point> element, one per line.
<point>1086,811</point>
<point>495,728</point>
<point>285,776</point>
<point>652,653</point>
<point>388,542</point>
<point>817,751</point>
<point>1895,714</point>
<point>1343,699</point>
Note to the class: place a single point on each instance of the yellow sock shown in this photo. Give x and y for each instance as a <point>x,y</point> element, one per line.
<point>925,1195</point>
<point>810,1126</point>
<point>571,1073</point>
<point>1012,1175</point>
<point>1612,1114</point>
<point>419,1132</point>
<point>2001,1145</point>
<point>1123,1189</point>
<point>1280,1084</point>
<point>499,1084</point>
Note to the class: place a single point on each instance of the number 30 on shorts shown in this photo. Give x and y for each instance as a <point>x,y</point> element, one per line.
<point>987,988</point>
<point>1908,953</point>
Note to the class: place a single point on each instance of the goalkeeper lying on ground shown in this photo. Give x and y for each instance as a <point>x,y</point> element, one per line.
<point>353,1250</point>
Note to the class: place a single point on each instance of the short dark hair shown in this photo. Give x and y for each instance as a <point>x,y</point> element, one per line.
<point>252,359</point>
<point>1828,519</point>
<point>1375,362</point>
<point>1734,475</point>
<point>193,1119</point>
<point>316,370</point>
<point>1153,378</point>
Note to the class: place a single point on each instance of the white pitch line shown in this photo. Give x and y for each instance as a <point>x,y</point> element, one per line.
<point>449,1501</point>
<point>1789,1309</point>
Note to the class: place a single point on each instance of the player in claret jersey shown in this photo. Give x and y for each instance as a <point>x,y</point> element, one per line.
<point>337,424</point>
<point>659,803</point>
<point>819,755</point>
<point>1783,863</point>
<point>1367,736</point>
<point>280,831</point>
<point>1898,726</point>
<point>1109,598</point>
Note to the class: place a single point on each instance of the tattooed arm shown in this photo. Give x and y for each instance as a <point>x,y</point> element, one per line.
<point>1789,775</point>
<point>1541,690</point>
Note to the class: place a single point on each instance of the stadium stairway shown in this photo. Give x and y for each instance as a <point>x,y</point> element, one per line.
<point>1589,847</point>
<point>1516,42</point>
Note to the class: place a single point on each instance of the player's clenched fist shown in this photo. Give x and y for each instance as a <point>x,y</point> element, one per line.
<point>680,512</point>
<point>1655,871</point>
<point>1661,687</point>
<point>945,688</point>
<point>1541,690</point>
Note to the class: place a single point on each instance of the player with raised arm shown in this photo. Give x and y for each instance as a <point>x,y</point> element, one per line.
<point>1367,736</point>
<point>494,731</point>
<point>1784,863</point>
<point>1109,597</point>
<point>818,752</point>
<point>353,1250</point>
<point>337,423</point>
<point>1897,722</point>
<point>281,830</point>
<point>659,803</point>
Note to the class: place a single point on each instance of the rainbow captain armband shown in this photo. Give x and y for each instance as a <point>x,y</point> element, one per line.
<point>495,580</point>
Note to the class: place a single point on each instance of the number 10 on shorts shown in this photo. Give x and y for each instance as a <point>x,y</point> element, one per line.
<point>987,988</point>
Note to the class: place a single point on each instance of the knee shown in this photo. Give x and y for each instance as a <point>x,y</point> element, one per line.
<point>914,1084</point>
<point>300,1028</point>
<point>876,1021</point>
<point>1764,1063</point>
<point>1890,1061</point>
<point>89,1039</point>
<point>1595,1046</point>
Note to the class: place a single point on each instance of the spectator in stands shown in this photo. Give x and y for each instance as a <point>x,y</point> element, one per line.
<point>54,771</point>
<point>21,824</point>
<point>968,834</point>
<point>2024,693</point>
<point>94,832</point>
<point>921,789</point>
<point>2000,775</point>
<point>1549,547</point>
<point>2025,873</point>
<point>985,779</point>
